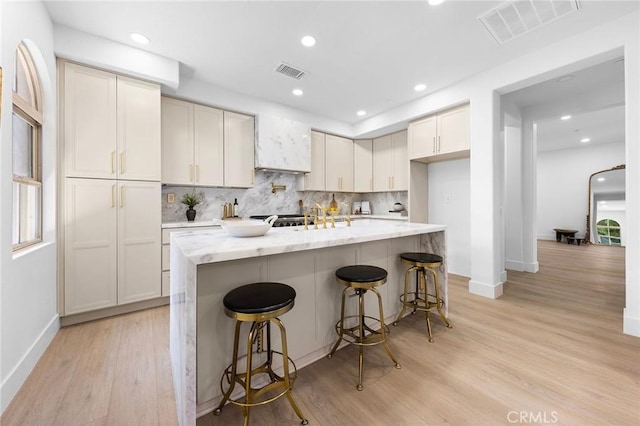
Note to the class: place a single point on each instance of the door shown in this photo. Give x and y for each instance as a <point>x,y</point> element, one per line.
<point>332,163</point>
<point>177,142</point>
<point>453,130</point>
<point>400,162</point>
<point>89,122</point>
<point>90,244</point>
<point>139,241</point>
<point>314,181</point>
<point>382,161</point>
<point>346,165</point>
<point>422,138</point>
<point>363,165</point>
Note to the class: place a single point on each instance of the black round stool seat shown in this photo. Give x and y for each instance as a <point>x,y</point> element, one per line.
<point>421,257</point>
<point>361,274</point>
<point>259,298</point>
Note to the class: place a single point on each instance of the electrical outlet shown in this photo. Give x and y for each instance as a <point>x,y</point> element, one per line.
<point>447,199</point>
<point>171,198</point>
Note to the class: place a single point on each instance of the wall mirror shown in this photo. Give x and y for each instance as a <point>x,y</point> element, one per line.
<point>606,215</point>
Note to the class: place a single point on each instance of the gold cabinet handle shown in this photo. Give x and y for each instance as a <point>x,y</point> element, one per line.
<point>190,172</point>
<point>197,173</point>
<point>122,196</point>
<point>434,145</point>
<point>393,182</point>
<point>389,182</point>
<point>113,162</point>
<point>371,184</point>
<point>113,196</point>
<point>121,162</point>
<point>439,144</point>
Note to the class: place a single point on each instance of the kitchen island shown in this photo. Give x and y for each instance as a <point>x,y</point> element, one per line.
<point>205,265</point>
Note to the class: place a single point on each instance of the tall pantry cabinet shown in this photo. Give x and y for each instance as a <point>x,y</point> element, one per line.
<point>111,199</point>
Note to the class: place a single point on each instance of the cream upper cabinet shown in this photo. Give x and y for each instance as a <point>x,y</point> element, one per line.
<point>363,165</point>
<point>400,162</point>
<point>315,180</point>
<point>390,162</point>
<point>192,144</point>
<point>111,125</point>
<point>208,137</point>
<point>239,141</point>
<point>112,243</point>
<point>440,137</point>
<point>177,142</point>
<point>338,164</point>
<point>89,122</point>
<point>453,130</point>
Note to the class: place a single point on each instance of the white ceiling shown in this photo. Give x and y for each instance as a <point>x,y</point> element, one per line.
<point>369,54</point>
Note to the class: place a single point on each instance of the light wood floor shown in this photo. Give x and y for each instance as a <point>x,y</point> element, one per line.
<point>550,347</point>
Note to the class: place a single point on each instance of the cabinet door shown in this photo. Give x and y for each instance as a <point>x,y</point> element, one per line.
<point>239,139</point>
<point>177,142</point>
<point>382,160</point>
<point>453,130</point>
<point>139,142</point>
<point>400,165</point>
<point>208,134</point>
<point>139,241</point>
<point>332,162</point>
<point>346,165</point>
<point>90,262</point>
<point>363,165</point>
<point>314,181</point>
<point>422,138</point>
<point>89,122</point>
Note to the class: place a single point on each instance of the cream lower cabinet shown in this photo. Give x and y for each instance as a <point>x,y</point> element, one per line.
<point>338,164</point>
<point>363,165</point>
<point>112,243</point>
<point>390,163</point>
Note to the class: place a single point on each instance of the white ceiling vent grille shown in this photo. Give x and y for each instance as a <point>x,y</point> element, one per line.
<point>517,17</point>
<point>291,71</point>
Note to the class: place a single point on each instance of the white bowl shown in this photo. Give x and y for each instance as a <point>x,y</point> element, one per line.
<point>247,228</point>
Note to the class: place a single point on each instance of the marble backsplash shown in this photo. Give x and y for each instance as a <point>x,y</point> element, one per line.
<point>259,200</point>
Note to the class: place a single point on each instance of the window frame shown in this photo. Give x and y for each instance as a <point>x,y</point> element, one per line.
<point>31,113</point>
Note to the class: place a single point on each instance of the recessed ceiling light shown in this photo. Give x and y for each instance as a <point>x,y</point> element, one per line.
<point>308,41</point>
<point>298,92</point>
<point>600,179</point>
<point>140,38</point>
<point>565,78</point>
<point>585,140</point>
<point>361,113</point>
<point>565,117</point>
<point>419,87</point>
<point>435,2</point>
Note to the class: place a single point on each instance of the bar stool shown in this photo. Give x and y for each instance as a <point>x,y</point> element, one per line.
<point>362,278</point>
<point>422,300</point>
<point>260,304</point>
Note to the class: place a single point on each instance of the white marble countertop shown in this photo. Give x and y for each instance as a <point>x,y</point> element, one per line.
<point>167,225</point>
<point>215,245</point>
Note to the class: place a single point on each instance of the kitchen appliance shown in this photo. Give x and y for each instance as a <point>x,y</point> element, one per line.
<point>282,145</point>
<point>365,207</point>
<point>285,220</point>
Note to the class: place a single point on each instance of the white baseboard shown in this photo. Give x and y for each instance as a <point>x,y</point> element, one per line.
<point>491,291</point>
<point>630,325</point>
<point>514,265</point>
<point>17,376</point>
<point>531,267</point>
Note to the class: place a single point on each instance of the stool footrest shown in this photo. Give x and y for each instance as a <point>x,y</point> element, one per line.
<point>351,335</point>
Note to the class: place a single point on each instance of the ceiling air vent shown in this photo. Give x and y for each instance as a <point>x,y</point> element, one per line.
<point>517,17</point>
<point>290,71</point>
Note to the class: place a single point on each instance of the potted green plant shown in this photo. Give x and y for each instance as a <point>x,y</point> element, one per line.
<point>191,200</point>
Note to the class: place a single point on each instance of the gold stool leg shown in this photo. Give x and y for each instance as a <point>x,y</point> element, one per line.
<point>407,275</point>
<point>439,302</point>
<point>285,363</point>
<point>360,338</point>
<point>383,330</point>
<point>232,378</point>
<point>341,331</point>
<point>423,278</point>
<point>248,398</point>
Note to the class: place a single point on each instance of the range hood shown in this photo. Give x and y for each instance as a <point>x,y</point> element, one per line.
<point>282,145</point>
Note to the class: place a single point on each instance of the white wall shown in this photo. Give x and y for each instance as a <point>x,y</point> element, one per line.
<point>28,281</point>
<point>449,196</point>
<point>563,179</point>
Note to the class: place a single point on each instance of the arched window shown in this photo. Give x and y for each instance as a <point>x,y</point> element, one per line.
<point>609,232</point>
<point>27,158</point>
